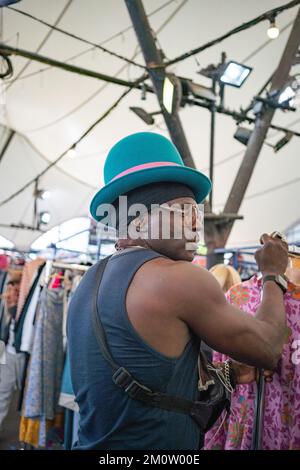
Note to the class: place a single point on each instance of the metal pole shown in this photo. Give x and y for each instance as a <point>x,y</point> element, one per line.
<point>212,143</point>
<point>35,205</point>
<point>259,414</point>
<point>262,125</point>
<point>7,51</point>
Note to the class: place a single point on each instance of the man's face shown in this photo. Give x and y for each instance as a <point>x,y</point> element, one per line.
<point>172,229</point>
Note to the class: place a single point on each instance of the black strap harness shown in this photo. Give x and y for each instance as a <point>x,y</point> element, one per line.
<point>123,379</point>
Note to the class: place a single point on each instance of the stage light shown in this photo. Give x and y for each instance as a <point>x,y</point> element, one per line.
<point>172,93</point>
<point>200,91</point>
<point>44,218</point>
<point>283,141</point>
<point>235,74</point>
<point>144,115</point>
<point>242,134</point>
<point>287,96</point>
<point>45,195</point>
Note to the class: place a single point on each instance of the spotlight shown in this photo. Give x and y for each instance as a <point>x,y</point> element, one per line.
<point>172,93</point>
<point>235,74</point>
<point>199,91</point>
<point>242,134</point>
<point>45,195</point>
<point>144,115</point>
<point>44,218</point>
<point>282,142</point>
<point>273,31</point>
<point>42,194</point>
<point>286,96</point>
<point>230,73</point>
<point>289,92</point>
<point>141,113</point>
<point>72,153</point>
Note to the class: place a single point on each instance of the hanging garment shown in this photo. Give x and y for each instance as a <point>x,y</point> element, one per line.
<point>31,432</point>
<point>281,423</point>
<point>25,323</point>
<point>67,396</point>
<point>2,353</point>
<point>46,364</point>
<point>10,380</point>
<point>29,272</point>
<point>4,319</point>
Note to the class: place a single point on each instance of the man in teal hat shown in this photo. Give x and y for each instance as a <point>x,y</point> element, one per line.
<point>155,307</point>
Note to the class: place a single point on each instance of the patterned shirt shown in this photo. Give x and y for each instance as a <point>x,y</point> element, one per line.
<point>281,422</point>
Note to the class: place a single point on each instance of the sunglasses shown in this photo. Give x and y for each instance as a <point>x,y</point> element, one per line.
<point>191,213</point>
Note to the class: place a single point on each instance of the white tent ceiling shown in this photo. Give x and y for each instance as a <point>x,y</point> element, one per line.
<point>51,109</point>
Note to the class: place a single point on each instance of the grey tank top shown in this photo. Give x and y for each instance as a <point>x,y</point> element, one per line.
<point>109,419</point>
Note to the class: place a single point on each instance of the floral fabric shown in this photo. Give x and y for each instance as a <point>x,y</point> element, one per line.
<point>281,423</point>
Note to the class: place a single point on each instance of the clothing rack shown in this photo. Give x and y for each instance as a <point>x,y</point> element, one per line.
<point>72,266</point>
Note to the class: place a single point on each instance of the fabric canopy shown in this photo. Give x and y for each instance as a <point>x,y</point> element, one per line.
<point>50,108</point>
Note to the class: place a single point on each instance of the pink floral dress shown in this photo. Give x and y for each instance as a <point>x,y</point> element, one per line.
<point>281,423</point>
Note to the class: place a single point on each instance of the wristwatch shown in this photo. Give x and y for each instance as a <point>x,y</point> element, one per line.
<point>281,281</point>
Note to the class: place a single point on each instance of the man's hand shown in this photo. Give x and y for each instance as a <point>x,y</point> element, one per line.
<point>272,258</point>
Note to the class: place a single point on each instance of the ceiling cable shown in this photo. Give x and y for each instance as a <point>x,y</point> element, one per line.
<point>74,36</point>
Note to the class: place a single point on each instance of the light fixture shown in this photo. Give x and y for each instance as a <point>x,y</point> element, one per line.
<point>44,218</point>
<point>235,74</point>
<point>273,30</point>
<point>242,134</point>
<point>289,91</point>
<point>72,153</point>
<point>45,195</point>
<point>144,115</point>
<point>199,91</point>
<point>42,194</point>
<point>283,141</point>
<point>286,96</point>
<point>172,93</point>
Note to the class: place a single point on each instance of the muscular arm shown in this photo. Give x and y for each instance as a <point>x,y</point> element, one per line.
<point>198,300</point>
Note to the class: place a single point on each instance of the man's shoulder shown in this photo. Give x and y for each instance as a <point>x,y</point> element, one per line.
<point>171,276</point>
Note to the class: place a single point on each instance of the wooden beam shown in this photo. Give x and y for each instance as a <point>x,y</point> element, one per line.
<point>154,61</point>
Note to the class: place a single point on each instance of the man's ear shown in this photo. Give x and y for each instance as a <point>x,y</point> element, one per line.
<point>143,222</point>
<point>137,224</point>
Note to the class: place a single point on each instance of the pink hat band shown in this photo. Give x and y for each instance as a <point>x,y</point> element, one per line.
<point>144,166</point>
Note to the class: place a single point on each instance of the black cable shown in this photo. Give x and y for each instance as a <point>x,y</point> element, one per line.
<point>9,68</point>
<point>45,39</point>
<point>103,87</point>
<point>74,36</point>
<point>266,191</point>
<point>265,16</point>
<point>52,164</point>
<point>273,188</point>
<point>120,33</point>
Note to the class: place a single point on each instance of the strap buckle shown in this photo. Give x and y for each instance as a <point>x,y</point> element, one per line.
<point>123,379</point>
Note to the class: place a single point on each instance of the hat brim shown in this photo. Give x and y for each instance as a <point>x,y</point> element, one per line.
<point>197,181</point>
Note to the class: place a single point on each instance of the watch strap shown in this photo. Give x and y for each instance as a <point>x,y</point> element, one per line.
<point>279,280</point>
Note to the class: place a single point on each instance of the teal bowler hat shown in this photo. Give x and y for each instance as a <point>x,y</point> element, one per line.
<point>144,158</point>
